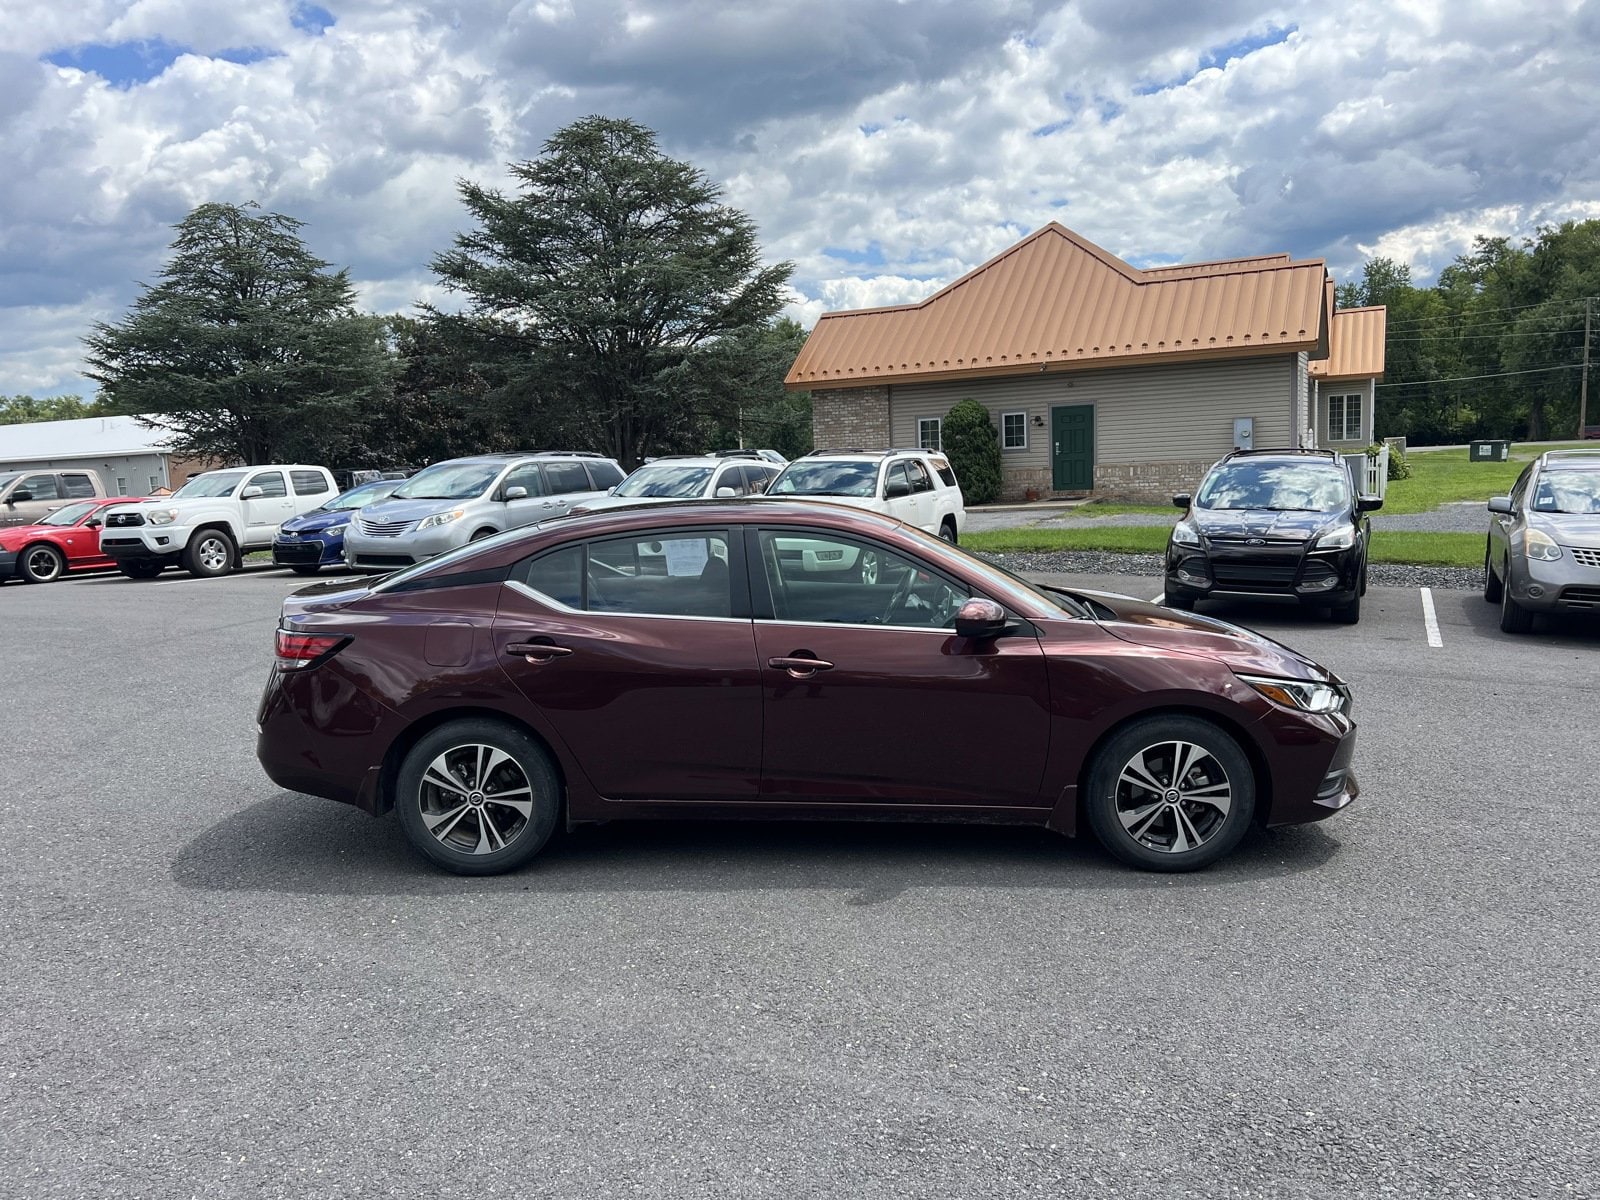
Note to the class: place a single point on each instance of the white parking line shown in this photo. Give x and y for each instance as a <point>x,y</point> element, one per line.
<point>1158,598</point>
<point>1430,619</point>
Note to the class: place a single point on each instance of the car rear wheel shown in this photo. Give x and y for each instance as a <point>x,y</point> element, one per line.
<point>1170,793</point>
<point>1513,617</point>
<point>42,564</point>
<point>140,570</point>
<point>208,554</point>
<point>947,531</point>
<point>1491,582</point>
<point>478,797</point>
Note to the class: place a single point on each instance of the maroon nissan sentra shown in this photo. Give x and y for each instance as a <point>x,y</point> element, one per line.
<point>764,658</point>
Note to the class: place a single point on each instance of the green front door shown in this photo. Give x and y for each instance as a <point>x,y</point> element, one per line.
<point>1072,448</point>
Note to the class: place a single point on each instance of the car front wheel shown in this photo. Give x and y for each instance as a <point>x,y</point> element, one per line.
<point>1491,582</point>
<point>1513,617</point>
<point>1170,793</point>
<point>208,554</point>
<point>478,797</point>
<point>42,564</point>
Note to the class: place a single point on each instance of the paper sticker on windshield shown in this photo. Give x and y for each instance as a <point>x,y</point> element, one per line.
<point>686,556</point>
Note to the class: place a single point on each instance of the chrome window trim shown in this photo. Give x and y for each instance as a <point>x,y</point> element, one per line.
<point>939,629</point>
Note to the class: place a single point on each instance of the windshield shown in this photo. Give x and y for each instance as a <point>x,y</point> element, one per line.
<point>1281,486</point>
<point>675,482</point>
<point>10,477</point>
<point>1568,491</point>
<point>826,479</point>
<point>71,514</point>
<point>450,481</point>
<point>357,497</point>
<point>214,483</point>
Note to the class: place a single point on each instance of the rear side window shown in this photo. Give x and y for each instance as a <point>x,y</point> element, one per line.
<point>270,483</point>
<point>604,475</point>
<point>77,487</point>
<point>946,471</point>
<point>566,477</point>
<point>670,575</point>
<point>308,483</point>
<point>558,575</point>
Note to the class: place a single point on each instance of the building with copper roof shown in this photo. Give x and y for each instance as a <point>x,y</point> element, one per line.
<point>1099,376</point>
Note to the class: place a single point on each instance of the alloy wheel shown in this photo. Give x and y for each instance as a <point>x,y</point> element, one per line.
<point>212,554</point>
<point>1173,797</point>
<point>475,799</point>
<point>41,565</point>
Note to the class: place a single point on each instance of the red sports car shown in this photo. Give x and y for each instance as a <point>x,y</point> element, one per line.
<point>67,540</point>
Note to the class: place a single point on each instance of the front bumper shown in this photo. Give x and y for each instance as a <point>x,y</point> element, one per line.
<point>365,552</point>
<point>313,550</point>
<point>1283,569</point>
<point>155,543</point>
<point>1311,775</point>
<point>1565,585</point>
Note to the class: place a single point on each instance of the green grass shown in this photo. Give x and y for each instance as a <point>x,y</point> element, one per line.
<point>1423,549</point>
<point>1095,509</point>
<point>1445,476</point>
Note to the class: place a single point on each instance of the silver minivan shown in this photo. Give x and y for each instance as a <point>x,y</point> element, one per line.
<point>452,503</point>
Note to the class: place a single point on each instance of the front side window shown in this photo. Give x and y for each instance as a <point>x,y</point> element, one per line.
<point>930,433</point>
<point>76,487</point>
<point>921,481</point>
<point>271,484</point>
<point>896,482</point>
<point>822,578</point>
<point>1344,418</point>
<point>817,477</point>
<point>1282,487</point>
<point>1014,431</point>
<point>527,477</point>
<point>562,478</point>
<point>309,483</point>
<point>43,487</point>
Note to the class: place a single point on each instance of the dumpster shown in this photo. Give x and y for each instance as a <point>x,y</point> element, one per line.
<point>1488,451</point>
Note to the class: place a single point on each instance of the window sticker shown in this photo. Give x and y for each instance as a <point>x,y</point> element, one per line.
<point>686,556</point>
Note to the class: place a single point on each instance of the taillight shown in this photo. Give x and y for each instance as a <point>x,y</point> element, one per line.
<point>297,651</point>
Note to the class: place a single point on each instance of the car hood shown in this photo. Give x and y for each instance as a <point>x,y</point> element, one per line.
<point>410,510</point>
<point>317,520</point>
<point>12,536</point>
<point>1260,523</point>
<point>1570,529</point>
<point>1145,624</point>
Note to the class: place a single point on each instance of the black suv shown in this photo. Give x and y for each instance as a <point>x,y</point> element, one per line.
<point>1273,523</point>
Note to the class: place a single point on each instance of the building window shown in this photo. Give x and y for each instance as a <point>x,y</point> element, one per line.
<point>1344,418</point>
<point>930,433</point>
<point>1014,431</point>
<point>122,486</point>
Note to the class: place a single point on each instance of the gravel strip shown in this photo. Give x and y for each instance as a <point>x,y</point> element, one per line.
<point>1467,516</point>
<point>1094,562</point>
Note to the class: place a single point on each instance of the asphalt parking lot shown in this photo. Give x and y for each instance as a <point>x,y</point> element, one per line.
<point>215,988</point>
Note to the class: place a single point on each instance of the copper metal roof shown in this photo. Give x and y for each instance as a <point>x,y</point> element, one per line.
<point>1056,299</point>
<point>1355,344</point>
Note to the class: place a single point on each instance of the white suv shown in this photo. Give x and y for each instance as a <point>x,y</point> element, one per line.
<point>915,486</point>
<point>718,476</point>
<point>212,520</point>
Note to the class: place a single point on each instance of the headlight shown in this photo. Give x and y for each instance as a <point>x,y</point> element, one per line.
<point>339,528</point>
<point>1297,693</point>
<point>1541,546</point>
<point>1185,534</point>
<point>161,516</point>
<point>444,518</point>
<point>1341,538</point>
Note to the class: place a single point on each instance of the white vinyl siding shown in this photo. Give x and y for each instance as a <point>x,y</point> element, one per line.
<point>1014,431</point>
<point>1142,414</point>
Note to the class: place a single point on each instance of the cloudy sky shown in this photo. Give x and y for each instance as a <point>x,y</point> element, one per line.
<point>885,146</point>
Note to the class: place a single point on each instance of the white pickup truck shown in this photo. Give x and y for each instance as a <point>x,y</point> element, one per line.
<point>213,520</point>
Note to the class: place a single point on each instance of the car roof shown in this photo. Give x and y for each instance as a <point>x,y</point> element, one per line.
<point>849,452</point>
<point>508,456</point>
<point>1569,459</point>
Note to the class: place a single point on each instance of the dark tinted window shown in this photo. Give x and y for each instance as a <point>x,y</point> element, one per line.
<point>561,478</point>
<point>897,482</point>
<point>946,471</point>
<point>673,575</point>
<point>604,475</point>
<point>309,483</point>
<point>43,487</point>
<point>270,483</point>
<point>77,487</point>
<point>732,477</point>
<point>559,575</point>
<point>921,481</point>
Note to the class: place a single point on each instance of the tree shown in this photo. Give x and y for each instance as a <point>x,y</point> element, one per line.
<point>623,275</point>
<point>248,349</point>
<point>972,445</point>
<point>750,374</point>
<point>20,410</point>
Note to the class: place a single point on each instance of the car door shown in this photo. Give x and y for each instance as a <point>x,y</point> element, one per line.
<point>565,484</point>
<point>43,497</point>
<point>264,513</point>
<point>898,710</point>
<point>640,652</point>
<point>528,509</point>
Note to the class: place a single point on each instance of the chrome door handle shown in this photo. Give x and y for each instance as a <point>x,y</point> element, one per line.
<point>799,666</point>
<point>537,652</point>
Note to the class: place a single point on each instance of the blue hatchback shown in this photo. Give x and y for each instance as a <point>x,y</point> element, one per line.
<point>313,540</point>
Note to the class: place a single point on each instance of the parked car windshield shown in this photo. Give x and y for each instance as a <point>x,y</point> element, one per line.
<point>658,480</point>
<point>71,514</point>
<point>9,478</point>
<point>1568,491</point>
<point>216,483</point>
<point>358,497</point>
<point>1284,487</point>
<point>826,479</point>
<point>450,481</point>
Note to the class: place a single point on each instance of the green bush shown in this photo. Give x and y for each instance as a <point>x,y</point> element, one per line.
<point>1399,468</point>
<point>972,444</point>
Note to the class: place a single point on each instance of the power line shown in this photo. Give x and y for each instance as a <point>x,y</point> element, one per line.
<point>1478,337</point>
<point>1467,378</point>
<point>1477,312</point>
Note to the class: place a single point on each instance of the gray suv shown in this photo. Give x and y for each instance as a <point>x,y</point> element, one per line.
<point>1543,549</point>
<point>452,503</point>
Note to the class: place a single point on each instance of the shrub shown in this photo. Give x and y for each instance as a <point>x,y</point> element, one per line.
<point>972,444</point>
<point>1399,468</point>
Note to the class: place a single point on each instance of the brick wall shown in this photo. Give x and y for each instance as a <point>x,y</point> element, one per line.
<point>1148,483</point>
<point>850,417</point>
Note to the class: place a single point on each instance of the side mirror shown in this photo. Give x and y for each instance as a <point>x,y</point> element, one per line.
<point>896,488</point>
<point>1501,504</point>
<point>93,523</point>
<point>250,493</point>
<point>1369,503</point>
<point>1182,500</point>
<point>726,493</point>
<point>19,495</point>
<point>516,493</point>
<point>980,619</point>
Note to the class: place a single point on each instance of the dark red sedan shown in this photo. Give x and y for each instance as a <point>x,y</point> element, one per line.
<point>785,659</point>
<point>68,540</point>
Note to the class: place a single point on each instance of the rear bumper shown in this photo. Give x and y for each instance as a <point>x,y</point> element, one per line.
<point>302,751</point>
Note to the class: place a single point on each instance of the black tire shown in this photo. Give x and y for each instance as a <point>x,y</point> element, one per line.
<point>1513,617</point>
<point>305,568</point>
<point>1116,805</point>
<point>1362,589</point>
<point>1180,603</point>
<point>41,563</point>
<point>479,823</point>
<point>481,534</point>
<point>141,570</point>
<point>1347,614</point>
<point>209,554</point>
<point>1492,586</point>
<point>947,531</point>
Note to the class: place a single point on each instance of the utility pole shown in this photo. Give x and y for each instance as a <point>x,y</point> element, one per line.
<point>1583,387</point>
